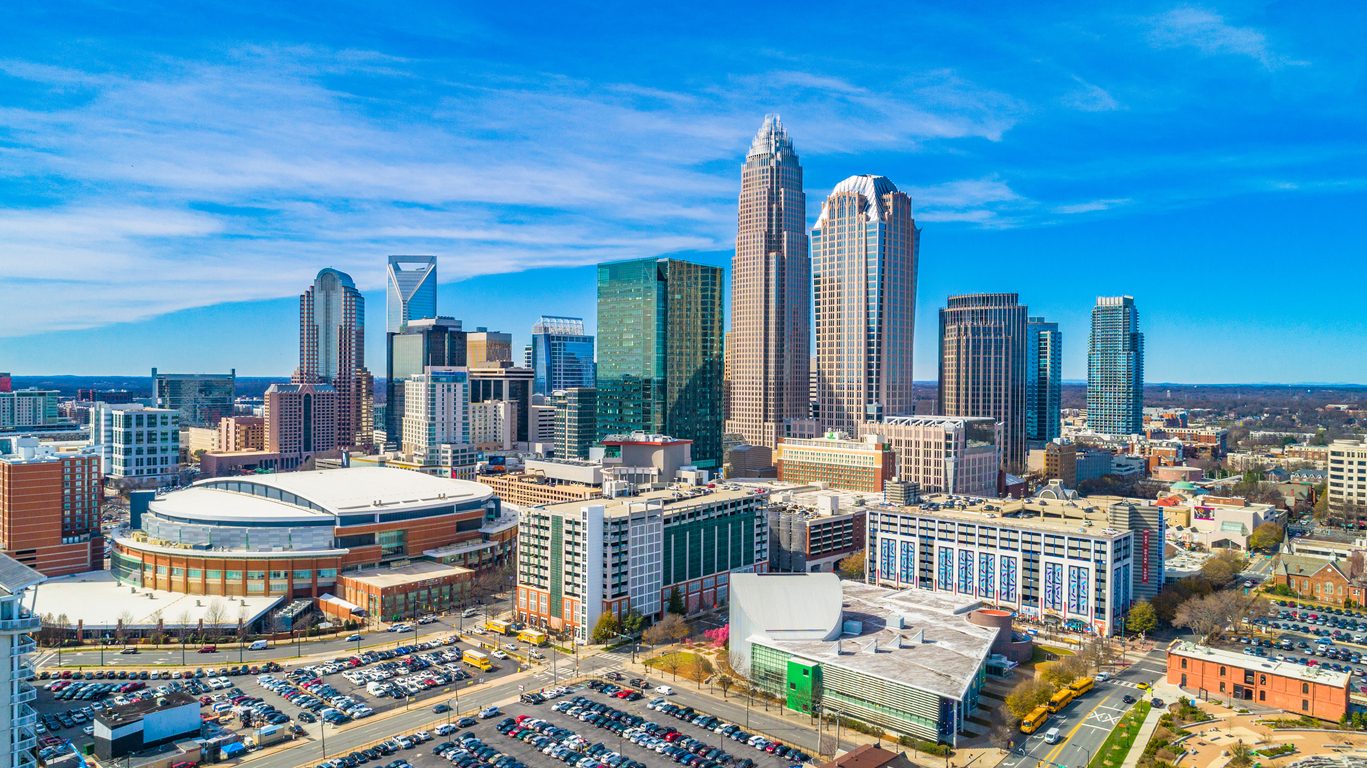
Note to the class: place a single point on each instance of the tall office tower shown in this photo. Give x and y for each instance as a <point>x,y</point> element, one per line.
<point>485,346</point>
<point>18,624</point>
<point>410,290</point>
<point>504,382</point>
<point>561,354</point>
<point>436,342</point>
<point>1043,380</point>
<point>332,351</point>
<point>983,365</point>
<point>864,252</point>
<point>1115,368</point>
<point>436,412</point>
<point>301,421</point>
<point>576,421</point>
<point>660,352</point>
<point>771,275</point>
<point>201,398</point>
<point>50,508</point>
<point>136,442</point>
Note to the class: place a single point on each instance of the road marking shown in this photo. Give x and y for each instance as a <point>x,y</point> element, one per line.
<point>1052,755</point>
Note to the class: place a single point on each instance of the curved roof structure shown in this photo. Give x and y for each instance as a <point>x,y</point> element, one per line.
<point>870,186</point>
<point>771,139</point>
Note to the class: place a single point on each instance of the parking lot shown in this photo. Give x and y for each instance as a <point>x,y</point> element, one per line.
<point>1311,636</point>
<point>585,727</point>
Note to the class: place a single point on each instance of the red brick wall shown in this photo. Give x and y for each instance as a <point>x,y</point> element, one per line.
<point>1286,693</point>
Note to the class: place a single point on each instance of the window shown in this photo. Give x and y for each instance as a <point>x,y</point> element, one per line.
<point>1262,695</point>
<point>1305,687</point>
<point>1262,679</point>
<point>1305,705</point>
<point>1222,673</point>
<point>1184,662</point>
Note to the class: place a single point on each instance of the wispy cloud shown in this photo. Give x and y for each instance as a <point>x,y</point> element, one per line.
<point>1210,33</point>
<point>1091,206</point>
<point>1089,97</point>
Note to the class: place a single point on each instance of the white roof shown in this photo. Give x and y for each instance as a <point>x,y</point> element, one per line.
<point>355,489</point>
<point>100,602</point>
<point>197,503</point>
<point>1271,666</point>
<point>797,606</point>
<point>870,186</point>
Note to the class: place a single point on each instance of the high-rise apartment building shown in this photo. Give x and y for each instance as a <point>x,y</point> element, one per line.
<point>241,433</point>
<point>767,348</point>
<point>660,352</point>
<point>201,398</point>
<point>506,383</point>
<point>1347,480</point>
<point>50,508</point>
<point>424,343</point>
<point>1043,381</point>
<point>410,290</point>
<point>28,408</point>
<point>332,352</point>
<point>943,454</point>
<point>836,461</point>
<point>983,350</point>
<point>436,412</point>
<point>301,422</point>
<point>136,442</point>
<point>1115,368</point>
<point>576,421</point>
<point>561,354</point>
<point>484,346</point>
<point>864,255</point>
<point>18,739</point>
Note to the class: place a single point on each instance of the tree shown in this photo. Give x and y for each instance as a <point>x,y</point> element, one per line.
<point>633,623</point>
<point>1142,617</point>
<point>1240,755</point>
<point>215,615</point>
<point>606,629</point>
<point>676,602</point>
<point>1356,565</point>
<point>724,683</point>
<point>670,629</point>
<point>1208,615</point>
<point>1267,537</point>
<point>1223,567</point>
<point>1027,695</point>
<point>672,662</point>
<point>854,566</point>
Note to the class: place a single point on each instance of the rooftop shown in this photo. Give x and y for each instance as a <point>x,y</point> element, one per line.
<point>406,574</point>
<point>1318,675</point>
<point>121,714</point>
<point>101,602</point>
<point>674,499</point>
<point>15,577</point>
<point>1090,515</point>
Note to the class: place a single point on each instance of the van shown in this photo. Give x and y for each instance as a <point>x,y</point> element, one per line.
<point>258,645</point>
<point>1052,736</point>
<point>469,613</point>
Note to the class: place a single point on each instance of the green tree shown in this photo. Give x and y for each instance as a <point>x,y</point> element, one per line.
<point>1027,695</point>
<point>607,628</point>
<point>853,566</point>
<point>634,623</point>
<point>1223,567</point>
<point>676,603</point>
<point>1142,617</point>
<point>1267,537</point>
<point>1240,755</point>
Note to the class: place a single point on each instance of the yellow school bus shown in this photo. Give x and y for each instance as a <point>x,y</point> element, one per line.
<point>1081,686</point>
<point>533,637</point>
<point>1031,722</point>
<point>477,659</point>
<point>1061,699</point>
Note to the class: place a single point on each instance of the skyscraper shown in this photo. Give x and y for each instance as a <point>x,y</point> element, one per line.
<point>201,398</point>
<point>864,253</point>
<point>770,292</point>
<point>332,351</point>
<point>561,354</point>
<point>1043,380</point>
<point>660,352</point>
<point>485,346</point>
<point>983,351</point>
<point>428,342</point>
<point>576,420</point>
<point>436,413</point>
<point>1115,368</point>
<point>411,290</point>
<point>301,422</point>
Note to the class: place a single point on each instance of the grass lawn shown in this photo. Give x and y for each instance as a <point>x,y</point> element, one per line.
<point>685,664</point>
<point>1040,653</point>
<point>1117,745</point>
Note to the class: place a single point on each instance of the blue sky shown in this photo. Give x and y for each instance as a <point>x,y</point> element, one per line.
<point>172,176</point>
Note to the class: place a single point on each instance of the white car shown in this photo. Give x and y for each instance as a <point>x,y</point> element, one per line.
<point>1102,677</point>
<point>499,655</point>
<point>1052,736</point>
<point>664,690</point>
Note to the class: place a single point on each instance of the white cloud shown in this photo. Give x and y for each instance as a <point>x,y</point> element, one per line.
<point>1091,206</point>
<point>1090,97</point>
<point>1210,33</point>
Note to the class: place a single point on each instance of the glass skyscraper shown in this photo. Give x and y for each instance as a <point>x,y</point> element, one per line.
<point>983,365</point>
<point>433,342</point>
<point>561,354</point>
<point>660,352</point>
<point>864,251</point>
<point>1115,368</point>
<point>410,290</point>
<point>332,351</point>
<point>1044,380</point>
<point>201,398</point>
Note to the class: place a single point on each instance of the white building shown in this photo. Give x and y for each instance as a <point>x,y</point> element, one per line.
<point>493,425</point>
<point>436,413</point>
<point>944,454</point>
<point>28,408</point>
<point>1348,478</point>
<point>135,441</point>
<point>17,621</point>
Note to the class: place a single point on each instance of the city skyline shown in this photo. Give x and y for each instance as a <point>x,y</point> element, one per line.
<point>219,204</point>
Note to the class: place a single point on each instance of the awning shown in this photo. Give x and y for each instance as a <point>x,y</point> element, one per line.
<point>338,603</point>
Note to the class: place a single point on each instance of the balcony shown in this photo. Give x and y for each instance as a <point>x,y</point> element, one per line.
<point>28,719</point>
<point>25,645</point>
<point>21,624</point>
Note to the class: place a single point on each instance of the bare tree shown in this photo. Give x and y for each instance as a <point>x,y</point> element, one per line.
<point>1208,615</point>
<point>724,682</point>
<point>215,616</point>
<point>670,629</point>
<point>671,662</point>
<point>183,625</point>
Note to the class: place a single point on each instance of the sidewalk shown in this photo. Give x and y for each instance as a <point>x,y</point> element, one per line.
<point>1141,739</point>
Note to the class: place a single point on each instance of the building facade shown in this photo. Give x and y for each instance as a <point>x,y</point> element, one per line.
<point>201,398</point>
<point>767,347</point>
<point>136,442</point>
<point>503,382</point>
<point>422,343</point>
<point>1079,565</point>
<point>1219,674</point>
<point>410,291</point>
<point>865,248</point>
<point>1043,381</point>
<point>241,433</point>
<point>1347,479</point>
<point>483,346</point>
<point>814,539</point>
<point>50,509</point>
<point>1115,368</point>
<point>18,623</point>
<point>28,408</point>
<point>941,454</point>
<point>332,352</point>
<point>660,352</point>
<point>436,413</point>
<point>300,422</point>
<point>578,560</point>
<point>983,365</point>
<point>562,355</point>
<point>576,421</point>
<point>837,461</point>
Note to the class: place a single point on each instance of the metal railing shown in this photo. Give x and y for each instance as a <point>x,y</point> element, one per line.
<point>21,624</point>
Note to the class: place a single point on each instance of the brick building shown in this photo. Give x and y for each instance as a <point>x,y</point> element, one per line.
<point>1313,691</point>
<point>50,508</point>
<point>1315,578</point>
<point>836,461</point>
